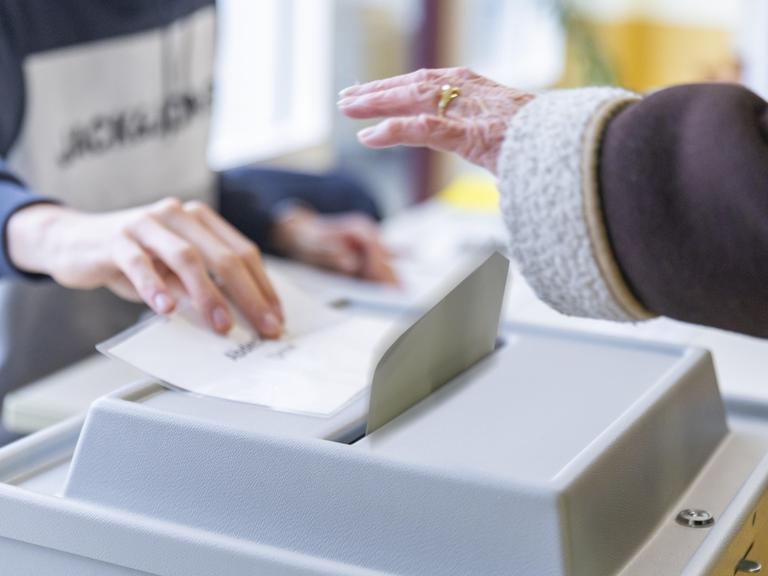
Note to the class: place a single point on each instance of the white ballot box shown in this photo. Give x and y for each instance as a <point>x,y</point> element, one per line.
<point>559,454</point>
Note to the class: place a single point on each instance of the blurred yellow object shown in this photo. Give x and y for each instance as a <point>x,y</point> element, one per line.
<point>472,192</point>
<point>647,44</point>
<point>644,55</point>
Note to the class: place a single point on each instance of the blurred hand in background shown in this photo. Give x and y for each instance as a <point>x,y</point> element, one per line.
<point>347,243</point>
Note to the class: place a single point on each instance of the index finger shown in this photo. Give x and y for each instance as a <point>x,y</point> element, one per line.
<point>412,99</point>
<point>234,276</point>
<point>432,75</point>
<point>241,245</point>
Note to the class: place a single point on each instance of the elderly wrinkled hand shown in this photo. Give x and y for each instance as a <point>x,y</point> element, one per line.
<point>472,124</point>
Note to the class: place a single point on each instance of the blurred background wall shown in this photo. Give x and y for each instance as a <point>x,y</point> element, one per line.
<point>282,62</point>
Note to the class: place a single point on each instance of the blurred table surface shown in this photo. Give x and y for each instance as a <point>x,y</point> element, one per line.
<point>434,243</point>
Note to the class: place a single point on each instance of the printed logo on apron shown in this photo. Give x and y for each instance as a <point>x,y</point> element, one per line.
<point>108,125</point>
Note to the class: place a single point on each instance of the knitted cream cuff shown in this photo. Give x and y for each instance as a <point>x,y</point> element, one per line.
<point>551,203</point>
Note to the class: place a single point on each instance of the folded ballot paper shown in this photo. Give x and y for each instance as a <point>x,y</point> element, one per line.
<point>326,357</point>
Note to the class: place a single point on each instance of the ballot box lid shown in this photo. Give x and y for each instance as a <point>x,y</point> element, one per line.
<point>536,406</point>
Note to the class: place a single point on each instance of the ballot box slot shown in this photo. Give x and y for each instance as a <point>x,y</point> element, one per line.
<point>500,343</point>
<point>345,427</point>
<point>144,393</point>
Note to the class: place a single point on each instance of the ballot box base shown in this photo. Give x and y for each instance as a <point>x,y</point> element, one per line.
<point>560,454</point>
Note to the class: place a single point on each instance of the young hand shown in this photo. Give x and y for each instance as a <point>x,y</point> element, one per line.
<point>147,253</point>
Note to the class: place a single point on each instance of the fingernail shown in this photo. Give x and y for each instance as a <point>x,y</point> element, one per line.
<point>221,319</point>
<point>344,102</point>
<point>163,303</point>
<point>347,90</point>
<point>270,326</point>
<point>366,132</point>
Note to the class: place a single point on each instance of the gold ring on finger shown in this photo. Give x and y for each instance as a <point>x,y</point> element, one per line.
<point>447,94</point>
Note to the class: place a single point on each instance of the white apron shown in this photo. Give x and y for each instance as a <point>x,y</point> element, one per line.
<point>107,125</point>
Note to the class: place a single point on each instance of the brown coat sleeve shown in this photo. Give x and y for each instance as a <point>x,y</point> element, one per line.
<point>683,180</point>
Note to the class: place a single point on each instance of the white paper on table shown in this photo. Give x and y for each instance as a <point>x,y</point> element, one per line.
<point>323,361</point>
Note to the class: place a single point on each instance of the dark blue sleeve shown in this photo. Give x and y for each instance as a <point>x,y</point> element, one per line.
<point>13,194</point>
<point>13,197</point>
<point>251,198</point>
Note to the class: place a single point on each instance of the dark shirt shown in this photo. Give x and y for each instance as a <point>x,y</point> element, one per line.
<point>249,198</point>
